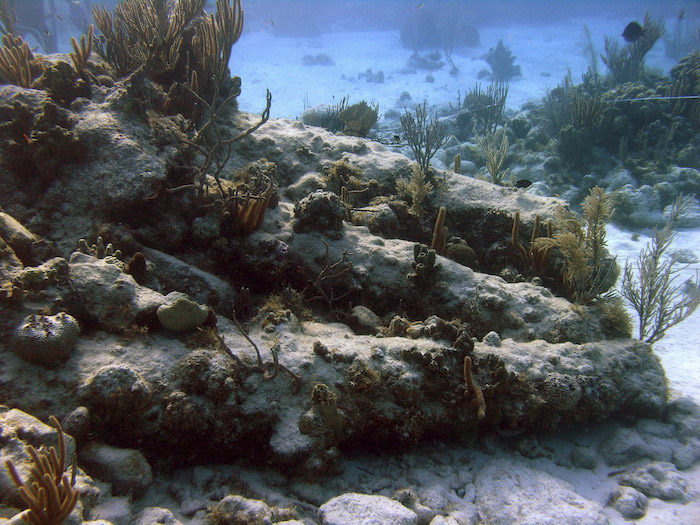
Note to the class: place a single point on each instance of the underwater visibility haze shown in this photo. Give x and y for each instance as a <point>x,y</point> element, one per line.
<point>349,262</point>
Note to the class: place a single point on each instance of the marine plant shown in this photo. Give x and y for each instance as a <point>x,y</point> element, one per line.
<point>654,291</point>
<point>536,255</point>
<point>359,118</point>
<point>486,106</point>
<point>49,493</point>
<point>424,136</point>
<point>502,63</point>
<point>81,50</point>
<point>495,154</point>
<point>15,61</point>
<point>627,64</point>
<point>172,42</point>
<point>415,190</point>
<point>588,270</point>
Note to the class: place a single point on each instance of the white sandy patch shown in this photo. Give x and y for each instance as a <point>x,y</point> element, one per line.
<point>545,54</point>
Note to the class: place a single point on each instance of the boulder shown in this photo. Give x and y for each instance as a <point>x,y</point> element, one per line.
<point>126,469</point>
<point>365,509</point>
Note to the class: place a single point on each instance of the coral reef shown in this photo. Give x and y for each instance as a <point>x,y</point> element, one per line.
<point>319,313</point>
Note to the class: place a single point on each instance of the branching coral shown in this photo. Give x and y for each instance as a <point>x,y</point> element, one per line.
<point>653,292</point>
<point>495,154</point>
<point>328,276</point>
<point>81,50</point>
<point>49,493</point>
<point>171,41</point>
<point>415,190</point>
<point>501,61</point>
<point>261,366</point>
<point>15,58</point>
<point>425,136</point>
<point>536,255</point>
<point>8,18</point>
<point>145,34</point>
<point>487,107</point>
<point>359,118</point>
<point>588,271</point>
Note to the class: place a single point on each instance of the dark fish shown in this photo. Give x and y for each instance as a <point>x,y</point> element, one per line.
<point>523,183</point>
<point>633,32</point>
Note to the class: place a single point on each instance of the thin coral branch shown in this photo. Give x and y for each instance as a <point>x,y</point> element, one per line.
<point>261,367</point>
<point>323,283</point>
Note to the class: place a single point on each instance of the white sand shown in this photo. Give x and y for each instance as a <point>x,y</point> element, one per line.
<point>545,54</point>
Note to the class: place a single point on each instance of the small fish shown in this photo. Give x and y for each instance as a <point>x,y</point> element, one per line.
<point>420,6</point>
<point>29,141</point>
<point>633,32</point>
<point>523,183</point>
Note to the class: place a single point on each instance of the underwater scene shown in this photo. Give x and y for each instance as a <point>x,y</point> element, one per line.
<point>349,262</point>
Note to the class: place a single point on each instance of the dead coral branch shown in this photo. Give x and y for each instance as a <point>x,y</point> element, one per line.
<point>261,367</point>
<point>329,274</point>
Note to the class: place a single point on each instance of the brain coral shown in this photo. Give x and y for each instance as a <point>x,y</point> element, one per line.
<point>45,340</point>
